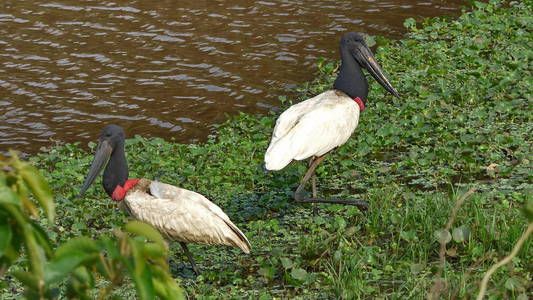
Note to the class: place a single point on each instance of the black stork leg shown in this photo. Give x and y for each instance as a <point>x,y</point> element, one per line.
<point>313,187</point>
<point>189,256</point>
<point>299,194</point>
<point>313,178</point>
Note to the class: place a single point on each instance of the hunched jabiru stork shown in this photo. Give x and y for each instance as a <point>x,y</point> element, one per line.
<point>179,214</point>
<point>316,126</point>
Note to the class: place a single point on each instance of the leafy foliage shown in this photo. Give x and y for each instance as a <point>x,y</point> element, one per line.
<point>79,260</point>
<point>463,120</point>
<point>18,230</point>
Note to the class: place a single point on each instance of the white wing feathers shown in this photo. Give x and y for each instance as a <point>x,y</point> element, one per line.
<point>185,216</point>
<point>312,128</point>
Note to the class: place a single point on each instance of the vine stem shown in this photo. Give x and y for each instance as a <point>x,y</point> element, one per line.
<point>440,284</point>
<point>506,260</point>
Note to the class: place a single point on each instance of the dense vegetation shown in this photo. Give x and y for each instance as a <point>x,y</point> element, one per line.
<point>463,121</point>
<point>69,270</point>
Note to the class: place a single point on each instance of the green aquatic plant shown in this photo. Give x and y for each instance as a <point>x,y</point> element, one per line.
<point>464,120</point>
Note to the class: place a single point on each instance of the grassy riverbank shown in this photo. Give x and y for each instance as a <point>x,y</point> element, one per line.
<point>464,120</point>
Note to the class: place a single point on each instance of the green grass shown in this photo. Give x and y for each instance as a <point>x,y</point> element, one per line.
<point>466,91</point>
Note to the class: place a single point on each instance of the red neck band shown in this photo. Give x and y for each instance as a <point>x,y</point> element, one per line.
<point>360,103</point>
<point>120,192</point>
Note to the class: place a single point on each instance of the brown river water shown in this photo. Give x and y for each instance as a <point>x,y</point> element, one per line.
<point>164,68</point>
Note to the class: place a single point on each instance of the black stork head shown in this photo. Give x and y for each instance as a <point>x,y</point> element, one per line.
<point>356,54</point>
<point>110,151</point>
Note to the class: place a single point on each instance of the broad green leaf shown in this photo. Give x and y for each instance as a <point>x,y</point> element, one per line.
<point>513,284</point>
<point>174,292</point>
<point>160,288</point>
<point>286,262</point>
<point>82,274</point>
<point>265,296</point>
<point>38,185</point>
<point>140,274</point>
<point>416,268</point>
<point>461,234</point>
<point>34,251</point>
<point>442,235</point>
<point>11,253</point>
<point>268,272</point>
<point>370,40</point>
<point>29,206</point>
<point>63,265</point>
<point>77,244</point>
<point>110,247</point>
<point>5,234</point>
<point>145,230</point>
<point>299,274</point>
<point>8,196</point>
<point>42,239</point>
<point>164,285</point>
<point>27,279</point>
<point>151,250</point>
<point>408,236</point>
<point>13,248</point>
<point>409,22</point>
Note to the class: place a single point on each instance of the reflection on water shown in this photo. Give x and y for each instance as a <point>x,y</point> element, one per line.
<point>167,68</point>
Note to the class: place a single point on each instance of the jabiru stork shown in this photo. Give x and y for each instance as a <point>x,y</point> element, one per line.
<point>316,126</point>
<point>179,214</point>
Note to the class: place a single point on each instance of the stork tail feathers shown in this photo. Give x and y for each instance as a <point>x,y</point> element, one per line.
<point>240,241</point>
<point>279,154</point>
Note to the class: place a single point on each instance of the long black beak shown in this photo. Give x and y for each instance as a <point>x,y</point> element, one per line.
<point>102,155</point>
<point>375,70</point>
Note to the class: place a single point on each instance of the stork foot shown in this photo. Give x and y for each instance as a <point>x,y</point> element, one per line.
<point>299,194</point>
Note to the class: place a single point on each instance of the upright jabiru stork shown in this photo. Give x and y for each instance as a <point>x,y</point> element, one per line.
<point>314,127</point>
<point>179,214</point>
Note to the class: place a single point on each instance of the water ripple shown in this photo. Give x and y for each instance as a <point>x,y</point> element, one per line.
<point>167,68</point>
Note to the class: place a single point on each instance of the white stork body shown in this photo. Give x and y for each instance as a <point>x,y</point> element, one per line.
<point>312,128</point>
<point>179,214</point>
<point>182,215</point>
